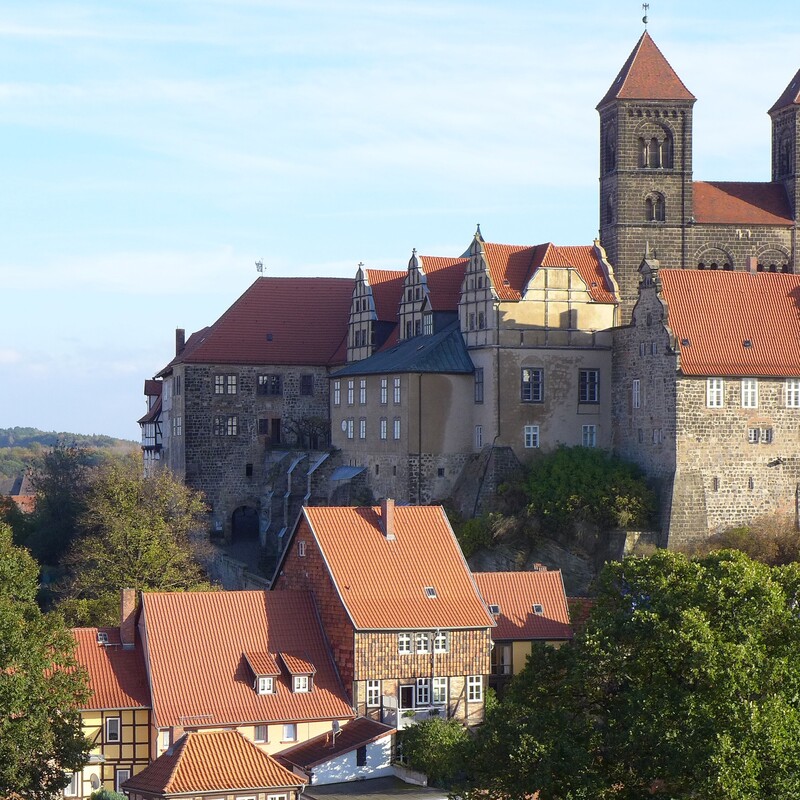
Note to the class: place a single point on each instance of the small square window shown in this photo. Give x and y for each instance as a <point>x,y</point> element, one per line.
<point>430,592</point>
<point>538,609</point>
<point>440,472</point>
<point>265,684</point>
<point>120,777</point>
<point>441,642</point>
<point>422,642</point>
<point>301,683</point>
<point>248,470</point>
<point>494,609</point>
<point>403,642</point>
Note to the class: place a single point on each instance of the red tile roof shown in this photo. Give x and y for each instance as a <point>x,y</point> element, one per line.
<point>278,321</point>
<point>790,96</point>
<point>515,593</point>
<point>212,761</point>
<point>511,267</point>
<point>196,645</point>
<point>298,666</point>
<point>26,503</point>
<point>646,75</point>
<point>117,676</point>
<point>354,734</point>
<point>152,388</point>
<point>382,582</point>
<point>387,290</point>
<point>444,277</point>
<point>262,663</point>
<point>734,203</point>
<point>717,311</point>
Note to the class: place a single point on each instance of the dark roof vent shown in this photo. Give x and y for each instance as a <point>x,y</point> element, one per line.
<point>747,343</point>
<point>269,337</point>
<point>685,342</point>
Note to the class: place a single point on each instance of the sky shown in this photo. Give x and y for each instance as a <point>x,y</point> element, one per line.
<point>152,152</point>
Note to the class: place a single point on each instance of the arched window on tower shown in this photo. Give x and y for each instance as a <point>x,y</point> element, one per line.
<point>656,152</point>
<point>609,210</point>
<point>642,152</point>
<point>654,208</point>
<point>610,149</point>
<point>666,152</point>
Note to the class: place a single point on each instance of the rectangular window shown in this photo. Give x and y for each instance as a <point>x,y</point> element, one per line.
<point>636,393</point>
<point>260,733</point>
<point>396,427</point>
<point>384,391</point>
<point>753,435</point>
<point>300,683</point>
<point>290,732</point>
<point>403,642</point>
<point>177,384</point>
<point>350,392</point>
<point>177,426</point>
<point>362,428</point>
<point>532,385</point>
<point>396,398</point>
<point>793,393</point>
<point>657,435</point>
<point>417,327</point>
<point>749,393</point>
<point>362,392</point>
<point>301,549</point>
<point>422,642</point>
<point>265,684</point>
<point>231,382</point>
<point>589,386</point>
<point>384,423</point>
<point>589,436</point>
<point>349,428</point>
<point>653,348</point>
<point>423,694</point>
<point>361,756</point>
<point>373,694</point>
<point>337,393</point>
<point>766,436</point>
<point>232,426</point>
<point>113,733</point>
<point>478,437</point>
<point>472,322</point>
<point>120,777</point>
<point>219,384</point>
<point>642,347</point>
<point>307,385</point>
<point>163,740</point>
<point>73,788</point>
<point>474,688</point>
<point>531,433</point>
<point>439,691</point>
<point>441,642</point>
<point>270,384</point>
<point>715,392</point>
<point>428,324</point>
<point>479,384</point>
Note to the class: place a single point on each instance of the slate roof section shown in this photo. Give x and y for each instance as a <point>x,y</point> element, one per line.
<point>262,663</point>
<point>717,311</point>
<point>512,267</point>
<point>444,277</point>
<point>212,761</point>
<point>320,749</point>
<point>297,321</point>
<point>117,677</point>
<point>195,647</point>
<point>740,203</point>
<point>515,593</point>
<point>646,75</point>
<point>382,582</point>
<point>387,290</point>
<point>442,352</point>
<point>790,96</point>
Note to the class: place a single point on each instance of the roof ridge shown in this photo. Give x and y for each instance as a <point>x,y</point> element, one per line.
<point>792,90</point>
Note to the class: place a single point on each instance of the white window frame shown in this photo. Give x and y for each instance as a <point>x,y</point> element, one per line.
<point>384,391</point>
<point>441,642</point>
<point>422,642</point>
<point>474,688</point>
<point>422,692</point>
<point>163,739</point>
<point>396,427</point>
<point>362,428</point>
<point>362,392</point>
<point>351,392</point>
<point>258,737</point>
<point>120,776</point>
<point>301,684</point>
<point>749,392</point>
<point>715,393</point>
<point>404,643</point>
<point>384,428</point>
<point>793,393</point>
<point>532,385</point>
<point>753,435</point>
<point>265,684</point>
<point>396,395</point>
<point>439,691</point>
<point>289,728</point>
<point>530,435</point>
<point>219,384</point>
<point>73,788</point>
<point>427,324</point>
<point>301,548</point>
<point>231,384</point>
<point>117,738</point>
<point>478,437</point>
<point>349,427</point>
<point>636,393</point>
<point>337,393</point>
<point>589,435</point>
<point>767,435</point>
<point>373,691</point>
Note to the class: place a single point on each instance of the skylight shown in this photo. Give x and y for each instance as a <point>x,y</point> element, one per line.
<point>538,608</point>
<point>430,592</point>
<point>494,609</point>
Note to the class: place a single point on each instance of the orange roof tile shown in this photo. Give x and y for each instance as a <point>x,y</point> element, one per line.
<point>277,321</point>
<point>735,203</point>
<point>382,582</point>
<point>444,277</point>
<point>387,289</point>
<point>320,749</point>
<point>717,311</point>
<point>297,665</point>
<point>26,503</point>
<point>586,261</point>
<point>195,647</point>
<point>790,96</point>
<point>509,267</point>
<point>515,593</point>
<point>262,663</point>
<point>117,676</point>
<point>646,75</point>
<point>212,761</point>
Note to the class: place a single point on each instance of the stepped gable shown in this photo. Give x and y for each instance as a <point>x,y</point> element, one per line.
<point>198,645</point>
<point>387,290</point>
<point>646,75</point>
<point>741,203</point>
<point>278,321</point>
<point>117,676</point>
<point>712,314</point>
<point>444,277</point>
<point>515,593</point>
<point>382,580</point>
<point>790,96</point>
<point>212,761</point>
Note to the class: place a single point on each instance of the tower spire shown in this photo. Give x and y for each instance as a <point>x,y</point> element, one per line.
<point>645,8</point>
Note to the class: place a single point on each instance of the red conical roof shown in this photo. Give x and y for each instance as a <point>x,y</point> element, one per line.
<point>646,75</point>
<point>790,96</point>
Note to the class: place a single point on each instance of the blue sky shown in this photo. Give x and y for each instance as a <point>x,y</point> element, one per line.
<point>151,152</point>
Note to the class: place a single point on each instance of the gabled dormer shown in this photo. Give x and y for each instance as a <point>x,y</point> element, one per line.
<point>265,669</point>
<point>301,672</point>
<point>476,307</point>
<point>373,311</point>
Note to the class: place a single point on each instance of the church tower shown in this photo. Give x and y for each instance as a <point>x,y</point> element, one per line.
<point>645,167</point>
<point>786,142</point>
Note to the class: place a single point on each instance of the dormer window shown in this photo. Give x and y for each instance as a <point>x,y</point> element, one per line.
<point>494,609</point>
<point>302,672</point>
<point>102,637</point>
<point>265,669</point>
<point>301,683</point>
<point>430,592</point>
<point>265,684</point>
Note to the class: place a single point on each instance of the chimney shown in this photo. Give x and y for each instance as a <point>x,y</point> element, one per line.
<point>180,340</point>
<point>387,518</point>
<point>127,618</point>
<point>752,264</point>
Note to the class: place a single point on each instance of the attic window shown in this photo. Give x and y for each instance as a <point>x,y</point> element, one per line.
<point>430,592</point>
<point>301,549</point>
<point>301,683</point>
<point>538,609</point>
<point>494,609</point>
<point>102,637</point>
<point>685,342</point>
<point>747,343</point>
<point>265,684</point>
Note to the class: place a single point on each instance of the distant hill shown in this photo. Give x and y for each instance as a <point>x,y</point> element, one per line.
<point>19,447</point>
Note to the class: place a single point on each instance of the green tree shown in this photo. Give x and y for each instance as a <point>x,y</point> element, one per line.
<point>685,684</point>
<point>40,685</point>
<point>436,747</point>
<point>137,532</point>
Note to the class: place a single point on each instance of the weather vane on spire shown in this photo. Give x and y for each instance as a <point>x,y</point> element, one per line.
<point>645,8</point>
